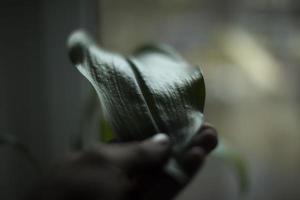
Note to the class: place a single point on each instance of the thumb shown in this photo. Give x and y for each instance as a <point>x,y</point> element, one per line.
<point>141,156</point>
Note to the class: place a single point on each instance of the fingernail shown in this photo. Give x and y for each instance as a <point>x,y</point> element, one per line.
<point>161,138</point>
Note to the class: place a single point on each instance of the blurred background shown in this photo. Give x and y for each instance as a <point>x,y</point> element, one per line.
<point>249,52</point>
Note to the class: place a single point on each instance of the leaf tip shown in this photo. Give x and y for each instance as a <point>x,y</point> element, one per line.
<point>77,44</point>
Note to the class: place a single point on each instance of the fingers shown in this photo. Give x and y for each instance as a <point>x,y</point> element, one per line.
<point>151,154</point>
<point>140,156</point>
<point>206,138</point>
<point>193,159</point>
<point>203,143</point>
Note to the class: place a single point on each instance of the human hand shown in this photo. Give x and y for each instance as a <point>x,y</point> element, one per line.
<point>125,171</point>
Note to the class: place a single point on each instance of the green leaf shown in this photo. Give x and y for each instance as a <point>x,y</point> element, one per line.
<point>107,134</point>
<point>152,91</point>
<point>230,155</point>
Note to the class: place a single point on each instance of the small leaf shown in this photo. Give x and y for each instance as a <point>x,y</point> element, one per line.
<point>225,152</point>
<point>107,134</point>
<point>152,91</point>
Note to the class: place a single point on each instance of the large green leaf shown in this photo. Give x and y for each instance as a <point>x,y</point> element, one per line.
<point>154,90</point>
